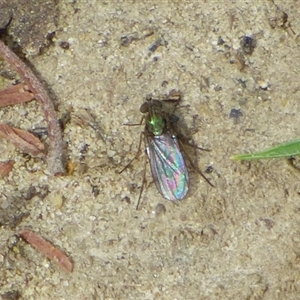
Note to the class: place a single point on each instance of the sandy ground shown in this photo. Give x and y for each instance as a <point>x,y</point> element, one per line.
<point>239,240</point>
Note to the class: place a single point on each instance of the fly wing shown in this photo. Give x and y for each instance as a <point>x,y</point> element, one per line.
<point>168,167</point>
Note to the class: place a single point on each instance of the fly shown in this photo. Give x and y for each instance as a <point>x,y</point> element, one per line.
<point>163,148</point>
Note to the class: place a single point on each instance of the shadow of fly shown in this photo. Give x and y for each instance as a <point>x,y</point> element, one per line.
<point>164,145</point>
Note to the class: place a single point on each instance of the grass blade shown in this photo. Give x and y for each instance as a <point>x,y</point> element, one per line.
<point>285,150</point>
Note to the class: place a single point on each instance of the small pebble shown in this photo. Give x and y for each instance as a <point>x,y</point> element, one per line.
<point>160,210</point>
<point>263,84</point>
<point>248,44</point>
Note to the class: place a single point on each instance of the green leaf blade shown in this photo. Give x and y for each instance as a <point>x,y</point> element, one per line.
<point>282,150</point>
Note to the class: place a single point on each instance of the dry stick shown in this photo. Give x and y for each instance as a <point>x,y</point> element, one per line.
<point>54,156</point>
<point>48,249</point>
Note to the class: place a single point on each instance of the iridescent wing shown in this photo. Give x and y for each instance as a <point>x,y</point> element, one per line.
<point>168,166</point>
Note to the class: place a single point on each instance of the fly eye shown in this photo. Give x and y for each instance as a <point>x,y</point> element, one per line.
<point>144,107</point>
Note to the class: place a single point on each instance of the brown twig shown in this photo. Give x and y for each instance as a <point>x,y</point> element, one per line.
<point>54,156</point>
<point>48,249</point>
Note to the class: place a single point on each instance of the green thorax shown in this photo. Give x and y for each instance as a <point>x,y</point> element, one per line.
<point>155,123</point>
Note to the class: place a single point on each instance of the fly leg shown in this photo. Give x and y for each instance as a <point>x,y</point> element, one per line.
<point>144,173</point>
<point>136,155</point>
<point>191,162</point>
<point>189,142</point>
<point>143,183</point>
<point>139,147</point>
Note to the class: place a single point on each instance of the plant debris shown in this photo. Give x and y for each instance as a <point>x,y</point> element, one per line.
<point>6,167</point>
<point>48,249</point>
<point>24,140</point>
<point>54,155</point>
<point>15,94</point>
